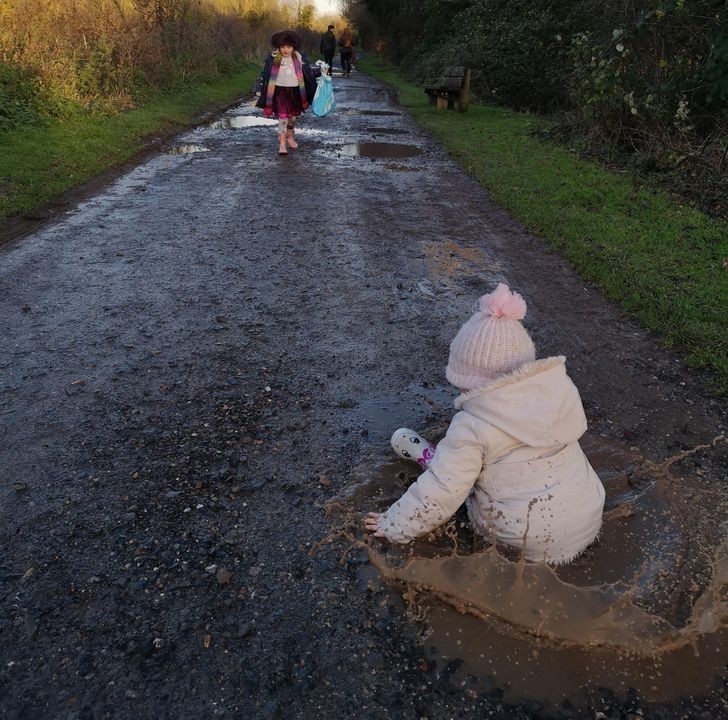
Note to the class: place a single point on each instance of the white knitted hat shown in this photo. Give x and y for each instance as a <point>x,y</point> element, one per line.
<point>492,343</point>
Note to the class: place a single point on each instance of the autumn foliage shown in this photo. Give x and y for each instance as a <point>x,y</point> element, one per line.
<point>109,53</point>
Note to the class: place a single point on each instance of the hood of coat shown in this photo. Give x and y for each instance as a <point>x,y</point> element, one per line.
<point>537,404</point>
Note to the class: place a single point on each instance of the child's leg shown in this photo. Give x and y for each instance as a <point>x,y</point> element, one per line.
<point>411,446</point>
<point>282,149</point>
<point>290,132</point>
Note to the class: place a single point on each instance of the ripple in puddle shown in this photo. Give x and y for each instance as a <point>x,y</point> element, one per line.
<point>187,149</point>
<point>379,150</point>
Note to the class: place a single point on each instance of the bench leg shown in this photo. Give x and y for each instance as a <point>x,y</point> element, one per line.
<point>464,99</point>
<point>441,103</point>
<point>432,99</point>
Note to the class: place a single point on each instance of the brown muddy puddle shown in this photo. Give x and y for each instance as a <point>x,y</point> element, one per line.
<point>379,150</point>
<point>645,607</point>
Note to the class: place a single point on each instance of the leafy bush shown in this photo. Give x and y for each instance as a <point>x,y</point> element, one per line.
<point>716,69</point>
<point>656,67</point>
<point>106,55</point>
<point>21,96</point>
<point>660,69</point>
<point>513,48</point>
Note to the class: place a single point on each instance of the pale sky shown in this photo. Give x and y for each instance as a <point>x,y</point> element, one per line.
<point>326,6</point>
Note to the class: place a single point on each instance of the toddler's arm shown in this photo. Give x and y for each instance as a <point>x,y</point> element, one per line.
<point>442,488</point>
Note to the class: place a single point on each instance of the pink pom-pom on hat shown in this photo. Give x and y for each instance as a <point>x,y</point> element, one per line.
<point>503,302</point>
<point>492,343</point>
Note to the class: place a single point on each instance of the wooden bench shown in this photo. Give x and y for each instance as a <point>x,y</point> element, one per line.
<point>452,87</point>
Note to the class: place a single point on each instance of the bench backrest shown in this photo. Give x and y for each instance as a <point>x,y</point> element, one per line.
<point>452,77</point>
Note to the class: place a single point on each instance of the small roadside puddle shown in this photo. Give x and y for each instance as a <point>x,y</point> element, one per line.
<point>379,150</point>
<point>187,149</point>
<point>236,122</point>
<point>388,131</point>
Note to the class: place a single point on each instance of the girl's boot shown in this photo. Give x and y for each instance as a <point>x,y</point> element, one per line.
<point>282,149</point>
<point>411,446</point>
<point>290,138</point>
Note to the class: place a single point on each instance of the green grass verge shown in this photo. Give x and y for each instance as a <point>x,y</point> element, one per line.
<point>40,161</point>
<point>661,261</point>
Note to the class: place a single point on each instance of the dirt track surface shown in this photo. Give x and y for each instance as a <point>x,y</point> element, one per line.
<point>192,362</point>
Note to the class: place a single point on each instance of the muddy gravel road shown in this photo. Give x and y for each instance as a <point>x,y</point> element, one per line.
<point>193,362</point>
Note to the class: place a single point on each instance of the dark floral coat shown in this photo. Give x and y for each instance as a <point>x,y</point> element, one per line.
<point>270,68</point>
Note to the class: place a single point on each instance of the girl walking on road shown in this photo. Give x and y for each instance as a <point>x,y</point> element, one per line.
<point>511,453</point>
<point>285,86</point>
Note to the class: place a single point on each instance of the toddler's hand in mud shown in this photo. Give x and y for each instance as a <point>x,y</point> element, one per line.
<point>371,524</point>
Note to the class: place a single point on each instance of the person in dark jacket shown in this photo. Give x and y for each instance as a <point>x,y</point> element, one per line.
<point>346,47</point>
<point>285,86</point>
<point>328,46</point>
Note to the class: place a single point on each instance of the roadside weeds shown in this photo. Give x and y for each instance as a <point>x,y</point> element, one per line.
<point>39,162</point>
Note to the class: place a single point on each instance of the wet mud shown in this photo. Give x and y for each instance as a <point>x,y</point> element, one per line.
<point>388,131</point>
<point>200,356</point>
<point>642,609</point>
<point>187,149</point>
<point>359,111</point>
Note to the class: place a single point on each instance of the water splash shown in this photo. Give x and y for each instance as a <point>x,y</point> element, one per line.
<point>645,607</point>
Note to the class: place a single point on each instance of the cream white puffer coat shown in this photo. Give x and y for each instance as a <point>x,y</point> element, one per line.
<point>512,454</point>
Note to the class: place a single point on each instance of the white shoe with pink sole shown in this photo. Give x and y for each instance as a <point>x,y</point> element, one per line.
<point>410,445</point>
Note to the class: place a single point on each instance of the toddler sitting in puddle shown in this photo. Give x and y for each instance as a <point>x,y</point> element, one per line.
<point>511,453</point>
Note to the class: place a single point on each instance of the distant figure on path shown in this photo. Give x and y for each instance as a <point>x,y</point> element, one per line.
<point>346,47</point>
<point>328,46</point>
<point>511,454</point>
<point>285,86</point>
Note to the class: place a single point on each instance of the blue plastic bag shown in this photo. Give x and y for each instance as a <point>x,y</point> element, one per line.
<point>323,101</point>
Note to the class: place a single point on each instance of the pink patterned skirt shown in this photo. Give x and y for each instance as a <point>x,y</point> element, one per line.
<point>287,102</point>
